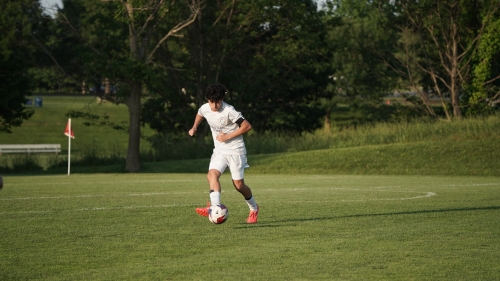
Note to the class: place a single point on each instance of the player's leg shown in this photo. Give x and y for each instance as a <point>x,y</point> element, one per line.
<point>245,190</point>
<point>237,166</point>
<point>217,166</point>
<point>213,177</point>
<point>241,187</point>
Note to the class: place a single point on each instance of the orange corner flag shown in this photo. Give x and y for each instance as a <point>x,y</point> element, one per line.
<point>69,131</point>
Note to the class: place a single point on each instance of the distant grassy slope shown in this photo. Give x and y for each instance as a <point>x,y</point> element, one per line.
<point>471,157</point>
<point>49,121</point>
<point>464,158</point>
<point>462,147</point>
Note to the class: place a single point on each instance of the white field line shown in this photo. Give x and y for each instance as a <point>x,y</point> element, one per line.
<point>99,195</point>
<point>428,194</point>
<point>186,192</point>
<point>479,184</point>
<point>101,209</point>
<point>135,207</point>
<point>104,208</point>
<point>66,182</point>
<point>377,188</point>
<point>260,190</point>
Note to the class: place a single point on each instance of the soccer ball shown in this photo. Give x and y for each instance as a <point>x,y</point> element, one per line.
<point>218,214</point>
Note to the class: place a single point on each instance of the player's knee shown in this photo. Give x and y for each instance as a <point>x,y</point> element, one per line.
<point>238,184</point>
<point>212,176</point>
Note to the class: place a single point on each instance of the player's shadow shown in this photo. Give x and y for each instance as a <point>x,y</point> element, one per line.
<point>278,223</point>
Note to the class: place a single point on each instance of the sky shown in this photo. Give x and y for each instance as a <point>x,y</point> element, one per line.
<point>50,3</point>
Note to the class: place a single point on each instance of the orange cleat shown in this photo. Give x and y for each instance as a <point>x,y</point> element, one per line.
<point>203,211</point>
<point>252,217</point>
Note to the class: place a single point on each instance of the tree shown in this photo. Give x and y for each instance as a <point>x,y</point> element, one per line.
<point>17,21</point>
<point>484,92</point>
<point>118,40</point>
<point>358,36</point>
<point>269,55</point>
<point>406,56</point>
<point>449,35</point>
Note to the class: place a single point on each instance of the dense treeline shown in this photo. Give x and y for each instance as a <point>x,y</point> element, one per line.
<point>287,63</point>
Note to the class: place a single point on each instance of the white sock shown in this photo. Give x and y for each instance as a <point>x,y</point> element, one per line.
<point>214,198</point>
<point>251,204</point>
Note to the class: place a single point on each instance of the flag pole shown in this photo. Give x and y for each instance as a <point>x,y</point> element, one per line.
<point>69,132</point>
<point>69,144</point>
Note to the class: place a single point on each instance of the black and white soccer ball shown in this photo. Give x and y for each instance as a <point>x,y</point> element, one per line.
<point>218,214</point>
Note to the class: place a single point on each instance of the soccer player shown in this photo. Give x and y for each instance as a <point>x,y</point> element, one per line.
<point>227,126</point>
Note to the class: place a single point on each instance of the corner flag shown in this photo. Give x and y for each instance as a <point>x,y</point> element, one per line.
<point>69,133</point>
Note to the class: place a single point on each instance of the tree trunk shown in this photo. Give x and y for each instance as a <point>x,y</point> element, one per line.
<point>133,163</point>
<point>454,74</point>
<point>455,103</point>
<point>328,122</point>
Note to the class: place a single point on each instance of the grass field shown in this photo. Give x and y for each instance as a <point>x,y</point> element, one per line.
<point>311,227</point>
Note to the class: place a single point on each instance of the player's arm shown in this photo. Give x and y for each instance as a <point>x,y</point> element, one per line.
<point>197,121</point>
<point>245,126</point>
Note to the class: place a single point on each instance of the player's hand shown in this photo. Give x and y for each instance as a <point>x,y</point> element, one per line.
<point>192,131</point>
<point>222,137</point>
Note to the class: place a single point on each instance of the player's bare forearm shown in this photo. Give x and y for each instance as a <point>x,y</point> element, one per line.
<point>197,121</point>
<point>244,127</point>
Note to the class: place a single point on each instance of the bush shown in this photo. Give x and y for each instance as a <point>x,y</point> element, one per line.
<point>21,164</point>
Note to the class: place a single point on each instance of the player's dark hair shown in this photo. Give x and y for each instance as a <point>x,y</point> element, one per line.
<point>215,92</point>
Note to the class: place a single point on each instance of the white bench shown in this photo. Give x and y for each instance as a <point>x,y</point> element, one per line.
<point>30,148</point>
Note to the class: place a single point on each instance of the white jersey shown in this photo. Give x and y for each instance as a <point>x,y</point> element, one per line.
<point>224,121</point>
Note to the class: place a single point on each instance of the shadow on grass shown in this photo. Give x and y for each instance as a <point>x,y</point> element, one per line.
<point>280,222</point>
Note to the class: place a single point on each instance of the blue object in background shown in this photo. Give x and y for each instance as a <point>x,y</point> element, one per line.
<point>38,102</point>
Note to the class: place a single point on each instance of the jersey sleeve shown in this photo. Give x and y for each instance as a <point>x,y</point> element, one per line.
<point>235,115</point>
<point>201,110</point>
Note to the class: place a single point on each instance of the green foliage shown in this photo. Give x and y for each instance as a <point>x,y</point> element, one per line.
<point>269,56</point>
<point>484,70</point>
<point>452,40</point>
<point>18,20</point>
<point>91,42</point>
<point>177,147</point>
<point>358,43</point>
<point>15,85</point>
<point>21,164</point>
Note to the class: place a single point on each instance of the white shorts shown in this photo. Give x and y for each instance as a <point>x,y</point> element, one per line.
<point>236,164</point>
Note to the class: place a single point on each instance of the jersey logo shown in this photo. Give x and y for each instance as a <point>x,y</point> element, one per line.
<point>222,121</point>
